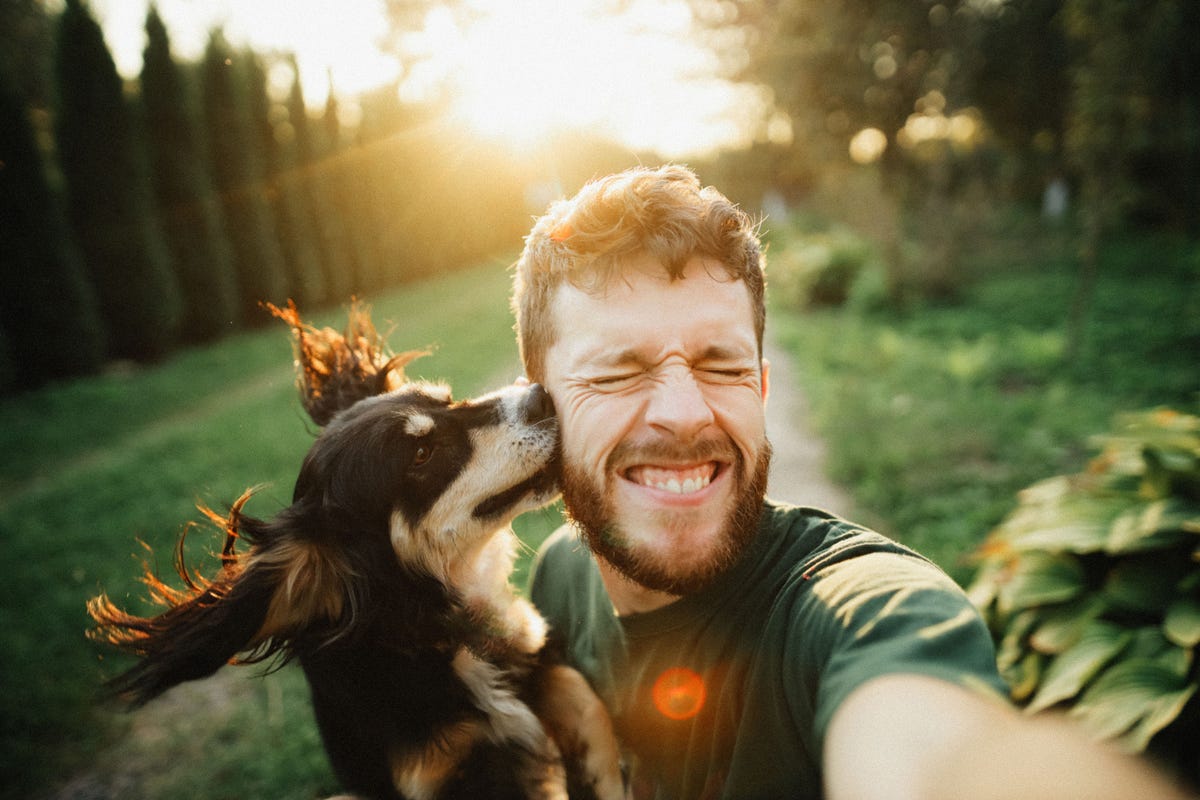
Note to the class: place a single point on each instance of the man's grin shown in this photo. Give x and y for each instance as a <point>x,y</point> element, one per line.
<point>683,480</point>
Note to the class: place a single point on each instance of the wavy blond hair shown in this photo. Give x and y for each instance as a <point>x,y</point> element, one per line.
<point>662,213</point>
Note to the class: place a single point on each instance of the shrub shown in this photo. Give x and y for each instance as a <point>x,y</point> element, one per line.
<point>1092,589</point>
<point>824,269</point>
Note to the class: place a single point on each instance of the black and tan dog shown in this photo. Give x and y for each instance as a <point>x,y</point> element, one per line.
<point>387,578</point>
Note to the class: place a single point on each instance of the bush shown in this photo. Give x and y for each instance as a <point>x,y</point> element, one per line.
<point>1092,589</point>
<point>824,269</point>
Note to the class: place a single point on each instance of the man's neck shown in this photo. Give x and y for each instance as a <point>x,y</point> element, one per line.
<point>628,597</point>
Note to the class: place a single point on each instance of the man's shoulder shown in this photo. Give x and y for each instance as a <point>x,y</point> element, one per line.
<point>814,539</point>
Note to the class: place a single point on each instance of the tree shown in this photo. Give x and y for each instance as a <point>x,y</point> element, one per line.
<point>325,218</point>
<point>48,312</point>
<point>347,178</point>
<point>26,46</point>
<point>109,196</point>
<point>286,189</point>
<point>236,157</point>
<point>187,201</point>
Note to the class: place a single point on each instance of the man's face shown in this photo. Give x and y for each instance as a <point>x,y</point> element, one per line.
<point>660,392</point>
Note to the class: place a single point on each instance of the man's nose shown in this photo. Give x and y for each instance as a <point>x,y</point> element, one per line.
<point>678,406</point>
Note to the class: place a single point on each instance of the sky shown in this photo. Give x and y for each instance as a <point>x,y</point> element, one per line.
<point>516,70</point>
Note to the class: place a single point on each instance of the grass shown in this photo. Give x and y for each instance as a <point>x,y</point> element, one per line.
<point>934,417</point>
<point>94,466</point>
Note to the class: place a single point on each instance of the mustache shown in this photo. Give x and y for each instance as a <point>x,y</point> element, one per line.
<point>713,448</point>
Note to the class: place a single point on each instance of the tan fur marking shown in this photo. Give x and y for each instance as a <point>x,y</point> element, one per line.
<point>418,424</point>
<point>420,775</point>
<point>510,720</point>
<point>309,586</point>
<point>580,724</point>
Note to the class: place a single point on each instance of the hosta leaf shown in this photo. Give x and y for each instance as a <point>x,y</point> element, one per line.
<point>1182,622</point>
<point>1153,526</point>
<point>1023,678</point>
<point>1128,694</point>
<point>986,583</point>
<point>1075,523</point>
<point>1069,672</point>
<point>1145,584</point>
<point>1061,627</point>
<point>1040,579</point>
<point>1161,713</point>
<point>1013,645</point>
<point>1149,643</point>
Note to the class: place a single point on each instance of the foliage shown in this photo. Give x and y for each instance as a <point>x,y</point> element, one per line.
<point>329,229</point>
<point>110,202</point>
<point>1092,586</point>
<point>936,415</point>
<point>827,268</point>
<point>187,201</point>
<point>287,193</point>
<point>237,161</point>
<point>48,310</point>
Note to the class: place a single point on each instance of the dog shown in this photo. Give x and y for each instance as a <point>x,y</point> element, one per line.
<point>387,579</point>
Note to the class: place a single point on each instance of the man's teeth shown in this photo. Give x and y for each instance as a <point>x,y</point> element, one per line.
<point>678,482</point>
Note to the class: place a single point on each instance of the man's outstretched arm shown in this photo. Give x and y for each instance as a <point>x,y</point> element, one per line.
<point>910,737</point>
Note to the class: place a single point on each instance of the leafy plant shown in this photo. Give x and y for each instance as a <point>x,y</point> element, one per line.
<point>824,269</point>
<point>1092,586</point>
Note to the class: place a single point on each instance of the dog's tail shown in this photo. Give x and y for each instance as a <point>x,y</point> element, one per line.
<point>230,618</point>
<point>336,370</point>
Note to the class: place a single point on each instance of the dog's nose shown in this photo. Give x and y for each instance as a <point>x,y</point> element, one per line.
<point>538,405</point>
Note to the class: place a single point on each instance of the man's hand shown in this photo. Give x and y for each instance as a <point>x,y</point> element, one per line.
<point>910,737</point>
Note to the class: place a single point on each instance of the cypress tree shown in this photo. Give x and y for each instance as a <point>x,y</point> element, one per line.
<point>346,183</point>
<point>48,314</point>
<point>187,201</point>
<point>306,284</point>
<point>238,172</point>
<point>109,198</point>
<point>323,215</point>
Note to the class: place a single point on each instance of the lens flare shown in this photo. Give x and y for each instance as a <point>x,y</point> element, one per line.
<point>679,693</point>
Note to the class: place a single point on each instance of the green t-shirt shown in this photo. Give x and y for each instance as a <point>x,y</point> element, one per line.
<point>728,693</point>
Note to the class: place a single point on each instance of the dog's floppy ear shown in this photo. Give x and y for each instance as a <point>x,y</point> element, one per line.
<point>253,608</point>
<point>336,370</point>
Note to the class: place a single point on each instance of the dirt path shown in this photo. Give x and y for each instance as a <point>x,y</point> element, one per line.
<point>798,464</point>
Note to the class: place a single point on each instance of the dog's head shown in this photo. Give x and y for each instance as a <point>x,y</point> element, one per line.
<point>435,477</point>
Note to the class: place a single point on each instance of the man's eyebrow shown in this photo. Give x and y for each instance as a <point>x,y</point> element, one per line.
<point>717,352</point>
<point>634,357</point>
<point>613,358</point>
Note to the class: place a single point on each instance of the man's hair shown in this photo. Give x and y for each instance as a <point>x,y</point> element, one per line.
<point>662,213</point>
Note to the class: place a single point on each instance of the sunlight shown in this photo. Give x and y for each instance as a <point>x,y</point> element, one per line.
<point>513,71</point>
<point>332,41</point>
<point>555,67</point>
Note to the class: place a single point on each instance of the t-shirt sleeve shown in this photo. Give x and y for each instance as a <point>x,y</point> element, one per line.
<point>885,613</point>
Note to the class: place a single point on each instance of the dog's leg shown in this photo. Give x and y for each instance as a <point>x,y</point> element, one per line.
<point>512,722</point>
<point>579,723</point>
<point>420,775</point>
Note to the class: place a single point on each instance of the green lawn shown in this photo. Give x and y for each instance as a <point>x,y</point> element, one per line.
<point>934,417</point>
<point>93,467</point>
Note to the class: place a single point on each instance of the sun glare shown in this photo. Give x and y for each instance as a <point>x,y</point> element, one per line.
<point>519,72</point>
<point>514,71</point>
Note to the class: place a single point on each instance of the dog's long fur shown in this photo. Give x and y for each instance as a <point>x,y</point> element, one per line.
<point>387,578</point>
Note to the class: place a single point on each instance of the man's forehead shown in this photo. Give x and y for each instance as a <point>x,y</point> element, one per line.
<point>637,321</point>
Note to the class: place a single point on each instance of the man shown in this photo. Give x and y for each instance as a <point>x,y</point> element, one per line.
<point>746,649</point>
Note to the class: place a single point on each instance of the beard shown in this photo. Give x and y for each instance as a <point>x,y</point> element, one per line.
<point>591,507</point>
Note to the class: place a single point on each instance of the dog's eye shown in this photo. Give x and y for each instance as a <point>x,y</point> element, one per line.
<point>423,454</point>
